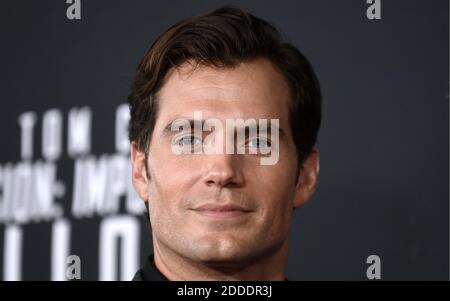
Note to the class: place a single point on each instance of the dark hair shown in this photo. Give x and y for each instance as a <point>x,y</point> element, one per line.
<point>224,38</point>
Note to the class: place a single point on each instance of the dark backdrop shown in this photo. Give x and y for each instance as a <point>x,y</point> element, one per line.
<point>383,185</point>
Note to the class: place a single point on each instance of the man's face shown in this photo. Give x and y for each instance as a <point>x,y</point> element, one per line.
<point>221,208</point>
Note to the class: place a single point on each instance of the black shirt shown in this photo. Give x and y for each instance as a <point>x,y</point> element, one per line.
<point>150,272</point>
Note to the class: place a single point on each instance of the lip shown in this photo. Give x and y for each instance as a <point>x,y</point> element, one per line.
<point>221,211</point>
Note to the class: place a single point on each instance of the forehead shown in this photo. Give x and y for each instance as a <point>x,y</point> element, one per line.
<point>253,89</point>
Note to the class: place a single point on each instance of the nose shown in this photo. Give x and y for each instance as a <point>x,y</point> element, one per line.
<point>223,170</point>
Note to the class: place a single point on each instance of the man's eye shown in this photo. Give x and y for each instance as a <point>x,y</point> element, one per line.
<point>259,143</point>
<point>189,140</point>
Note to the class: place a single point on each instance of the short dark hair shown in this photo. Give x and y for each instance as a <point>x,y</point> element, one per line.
<point>224,38</point>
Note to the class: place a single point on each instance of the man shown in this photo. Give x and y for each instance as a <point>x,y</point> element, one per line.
<point>222,215</point>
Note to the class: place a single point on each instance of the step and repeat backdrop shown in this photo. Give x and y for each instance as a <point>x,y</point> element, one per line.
<point>66,197</point>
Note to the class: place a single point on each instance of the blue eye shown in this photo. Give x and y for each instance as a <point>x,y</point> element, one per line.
<point>189,140</point>
<point>259,143</point>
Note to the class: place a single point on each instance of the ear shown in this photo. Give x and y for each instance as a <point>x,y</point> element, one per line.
<point>307,180</point>
<point>138,172</point>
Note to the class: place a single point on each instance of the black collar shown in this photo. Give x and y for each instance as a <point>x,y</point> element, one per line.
<point>150,272</point>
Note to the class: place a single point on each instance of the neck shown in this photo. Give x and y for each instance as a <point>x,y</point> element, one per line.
<point>177,267</point>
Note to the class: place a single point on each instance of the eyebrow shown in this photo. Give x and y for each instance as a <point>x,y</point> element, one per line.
<point>168,128</point>
<point>193,122</point>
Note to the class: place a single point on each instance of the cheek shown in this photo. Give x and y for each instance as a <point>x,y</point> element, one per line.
<point>279,179</point>
<point>165,214</point>
<point>278,199</point>
<point>165,169</point>
<point>170,179</point>
<point>278,210</point>
<point>279,183</point>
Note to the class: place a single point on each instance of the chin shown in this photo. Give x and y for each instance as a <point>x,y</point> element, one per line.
<point>221,250</point>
